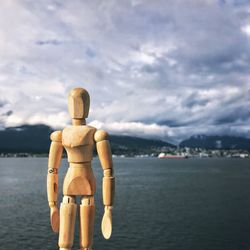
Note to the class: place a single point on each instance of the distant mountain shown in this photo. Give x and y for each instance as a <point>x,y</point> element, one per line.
<point>25,139</point>
<point>135,145</point>
<point>216,142</point>
<point>35,139</point>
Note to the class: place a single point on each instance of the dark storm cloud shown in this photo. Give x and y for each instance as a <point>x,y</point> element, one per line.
<point>48,42</point>
<point>2,103</point>
<point>239,114</point>
<point>195,100</point>
<point>8,113</point>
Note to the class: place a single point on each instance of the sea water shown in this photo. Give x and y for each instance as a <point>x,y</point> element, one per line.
<point>160,204</point>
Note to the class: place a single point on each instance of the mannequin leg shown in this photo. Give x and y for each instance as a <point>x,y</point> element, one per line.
<point>68,210</point>
<point>87,216</point>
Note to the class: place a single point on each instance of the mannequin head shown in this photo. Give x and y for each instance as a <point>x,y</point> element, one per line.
<point>78,101</point>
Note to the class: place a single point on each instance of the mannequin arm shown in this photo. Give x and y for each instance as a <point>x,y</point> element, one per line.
<point>55,155</point>
<point>108,183</point>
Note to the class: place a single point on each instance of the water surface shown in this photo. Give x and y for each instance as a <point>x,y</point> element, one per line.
<point>194,204</point>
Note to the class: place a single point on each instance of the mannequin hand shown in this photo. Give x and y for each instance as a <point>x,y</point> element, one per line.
<point>107,222</point>
<point>54,219</point>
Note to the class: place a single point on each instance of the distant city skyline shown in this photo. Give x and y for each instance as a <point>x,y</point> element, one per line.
<point>154,69</point>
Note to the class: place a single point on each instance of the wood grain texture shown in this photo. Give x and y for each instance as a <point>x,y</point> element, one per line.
<point>74,136</point>
<point>79,142</point>
<point>56,136</point>
<point>79,180</point>
<point>108,190</point>
<point>55,155</point>
<point>52,187</point>
<point>78,102</point>
<point>104,153</point>
<point>54,219</point>
<point>68,210</point>
<point>87,216</point>
<point>107,223</point>
<point>80,154</point>
<point>108,172</point>
<point>78,122</point>
<point>101,135</point>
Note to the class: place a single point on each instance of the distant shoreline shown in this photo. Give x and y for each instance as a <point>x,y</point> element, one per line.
<point>229,155</point>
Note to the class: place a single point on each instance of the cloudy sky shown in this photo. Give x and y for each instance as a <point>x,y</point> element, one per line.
<point>159,69</point>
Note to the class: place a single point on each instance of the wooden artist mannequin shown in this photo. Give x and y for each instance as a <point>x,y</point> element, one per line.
<point>78,141</point>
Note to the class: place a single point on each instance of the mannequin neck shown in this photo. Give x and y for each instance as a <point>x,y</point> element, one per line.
<point>78,122</point>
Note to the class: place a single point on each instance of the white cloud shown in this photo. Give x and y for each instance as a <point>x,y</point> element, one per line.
<point>246,29</point>
<point>134,128</point>
<point>164,69</point>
